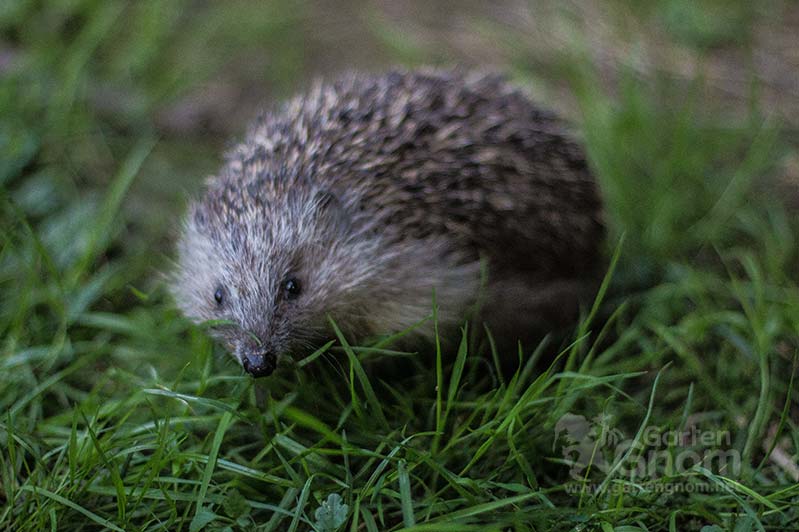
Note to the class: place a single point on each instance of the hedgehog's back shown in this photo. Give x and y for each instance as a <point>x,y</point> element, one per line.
<point>439,152</point>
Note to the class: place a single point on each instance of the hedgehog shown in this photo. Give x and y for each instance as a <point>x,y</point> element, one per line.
<point>370,199</point>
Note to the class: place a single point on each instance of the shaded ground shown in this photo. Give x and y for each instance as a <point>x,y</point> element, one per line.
<point>745,54</point>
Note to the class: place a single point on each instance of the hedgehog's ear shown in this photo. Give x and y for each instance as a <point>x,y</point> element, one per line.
<point>330,208</point>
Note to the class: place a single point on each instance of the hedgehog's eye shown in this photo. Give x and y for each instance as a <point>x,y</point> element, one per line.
<point>292,287</point>
<point>219,296</point>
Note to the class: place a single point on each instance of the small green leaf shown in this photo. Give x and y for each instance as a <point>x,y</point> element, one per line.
<point>201,518</point>
<point>235,505</point>
<point>331,515</point>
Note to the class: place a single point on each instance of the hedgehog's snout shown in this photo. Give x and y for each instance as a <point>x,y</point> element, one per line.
<point>259,363</point>
<point>256,357</point>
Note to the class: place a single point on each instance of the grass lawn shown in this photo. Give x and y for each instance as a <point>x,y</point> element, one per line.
<point>672,405</point>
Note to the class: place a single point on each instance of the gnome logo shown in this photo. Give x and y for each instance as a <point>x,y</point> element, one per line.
<point>586,441</point>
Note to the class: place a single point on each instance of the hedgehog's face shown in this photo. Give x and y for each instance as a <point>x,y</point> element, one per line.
<point>266,275</point>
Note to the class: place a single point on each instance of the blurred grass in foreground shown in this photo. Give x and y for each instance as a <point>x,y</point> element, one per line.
<point>119,414</point>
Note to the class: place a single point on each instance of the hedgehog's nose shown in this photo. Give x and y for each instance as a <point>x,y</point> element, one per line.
<point>259,364</point>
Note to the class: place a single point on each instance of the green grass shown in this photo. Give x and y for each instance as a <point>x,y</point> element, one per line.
<point>115,413</point>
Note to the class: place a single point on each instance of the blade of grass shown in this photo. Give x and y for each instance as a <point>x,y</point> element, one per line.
<point>101,231</point>
<point>408,518</point>
<point>355,365</point>
<point>78,508</point>
<point>219,435</point>
<point>637,438</point>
